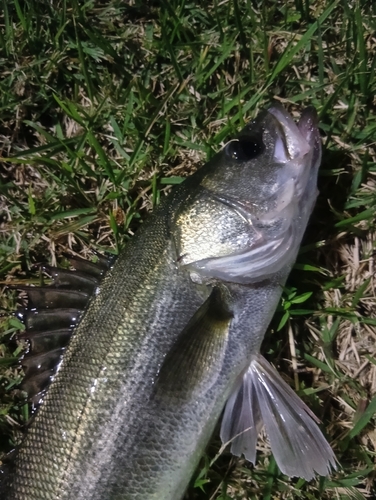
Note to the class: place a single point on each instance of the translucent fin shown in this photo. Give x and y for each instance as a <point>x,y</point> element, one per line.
<point>105,261</point>
<point>39,368</point>
<point>6,467</point>
<point>196,359</point>
<point>241,421</point>
<point>297,443</point>
<point>35,386</point>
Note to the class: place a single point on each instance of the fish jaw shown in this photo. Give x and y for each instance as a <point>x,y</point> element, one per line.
<point>299,148</point>
<point>277,218</point>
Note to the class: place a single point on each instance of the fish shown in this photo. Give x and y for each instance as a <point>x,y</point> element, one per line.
<point>172,331</point>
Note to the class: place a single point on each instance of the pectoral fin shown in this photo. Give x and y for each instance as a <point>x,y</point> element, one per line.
<point>195,361</point>
<point>297,443</point>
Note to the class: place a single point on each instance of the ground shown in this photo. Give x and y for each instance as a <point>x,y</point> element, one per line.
<point>105,105</point>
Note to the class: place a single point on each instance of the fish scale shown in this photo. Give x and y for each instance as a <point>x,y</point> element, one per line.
<point>174,330</point>
<point>105,344</point>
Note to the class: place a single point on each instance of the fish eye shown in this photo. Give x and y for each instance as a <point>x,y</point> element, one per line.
<point>245,148</point>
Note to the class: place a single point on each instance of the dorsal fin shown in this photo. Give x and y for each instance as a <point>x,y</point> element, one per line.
<point>51,314</point>
<point>6,467</point>
<point>40,342</point>
<point>48,297</point>
<point>97,269</point>
<point>51,319</point>
<point>63,278</point>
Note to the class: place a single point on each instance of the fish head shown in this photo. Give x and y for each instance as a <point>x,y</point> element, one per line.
<point>248,215</point>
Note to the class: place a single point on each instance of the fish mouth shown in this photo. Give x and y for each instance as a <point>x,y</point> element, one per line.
<point>280,228</point>
<point>297,153</point>
<point>295,140</point>
<point>298,148</point>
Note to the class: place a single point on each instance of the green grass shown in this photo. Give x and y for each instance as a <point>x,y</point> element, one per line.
<point>104,105</point>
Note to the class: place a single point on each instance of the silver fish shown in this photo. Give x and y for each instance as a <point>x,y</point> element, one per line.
<point>174,331</point>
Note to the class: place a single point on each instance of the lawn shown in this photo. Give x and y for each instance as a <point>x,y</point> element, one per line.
<point>105,105</point>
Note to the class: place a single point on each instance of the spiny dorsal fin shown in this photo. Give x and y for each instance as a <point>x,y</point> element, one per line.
<point>97,269</point>
<point>51,314</point>
<point>64,278</point>
<point>51,319</point>
<point>48,297</point>
<point>6,467</point>
<point>46,341</point>
<point>38,363</point>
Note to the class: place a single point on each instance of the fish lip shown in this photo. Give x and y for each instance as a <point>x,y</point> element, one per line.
<point>294,140</point>
<point>308,127</point>
<point>297,148</point>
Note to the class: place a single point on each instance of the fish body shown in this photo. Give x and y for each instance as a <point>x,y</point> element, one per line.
<point>174,330</point>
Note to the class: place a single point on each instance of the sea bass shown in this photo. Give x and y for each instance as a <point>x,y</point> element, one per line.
<point>174,330</point>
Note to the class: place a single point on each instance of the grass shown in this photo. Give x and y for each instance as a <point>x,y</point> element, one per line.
<point>104,105</point>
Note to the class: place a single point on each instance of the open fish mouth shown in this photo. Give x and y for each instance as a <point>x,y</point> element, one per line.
<point>298,138</point>
<point>277,221</point>
<point>298,146</point>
